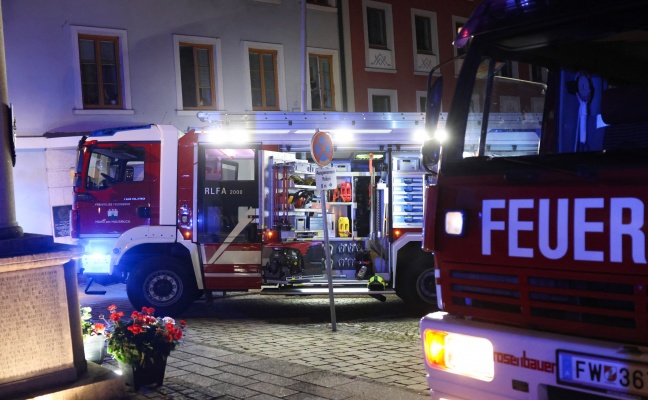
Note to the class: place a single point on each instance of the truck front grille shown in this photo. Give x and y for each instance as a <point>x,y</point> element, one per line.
<point>597,305</point>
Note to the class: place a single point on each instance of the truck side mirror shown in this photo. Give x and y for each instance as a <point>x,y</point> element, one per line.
<point>431,150</point>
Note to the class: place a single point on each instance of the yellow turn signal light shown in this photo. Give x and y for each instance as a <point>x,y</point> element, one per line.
<point>465,355</point>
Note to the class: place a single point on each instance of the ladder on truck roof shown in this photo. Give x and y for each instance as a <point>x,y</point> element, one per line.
<point>297,128</point>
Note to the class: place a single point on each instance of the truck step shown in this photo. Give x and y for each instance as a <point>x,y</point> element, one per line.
<point>315,290</point>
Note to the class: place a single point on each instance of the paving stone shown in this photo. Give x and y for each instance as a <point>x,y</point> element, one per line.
<point>320,391</point>
<point>177,372</point>
<point>238,358</point>
<point>304,396</point>
<point>235,379</point>
<point>233,390</point>
<point>263,396</point>
<point>199,380</point>
<point>205,351</point>
<point>274,379</point>
<point>278,367</point>
<point>374,390</point>
<point>201,369</point>
<point>208,362</point>
<point>235,369</point>
<point>278,391</point>
<point>325,378</point>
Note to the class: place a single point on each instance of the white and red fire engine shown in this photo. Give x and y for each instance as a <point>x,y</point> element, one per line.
<point>538,216</point>
<point>233,207</point>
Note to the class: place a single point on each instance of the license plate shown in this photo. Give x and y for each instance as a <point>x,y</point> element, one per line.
<point>602,374</point>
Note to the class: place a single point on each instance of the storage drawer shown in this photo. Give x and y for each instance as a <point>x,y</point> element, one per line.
<point>408,198</point>
<point>408,208</point>
<point>408,180</point>
<point>416,220</point>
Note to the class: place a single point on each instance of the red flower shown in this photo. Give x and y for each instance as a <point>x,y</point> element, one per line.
<point>135,328</point>
<point>148,310</point>
<point>183,323</point>
<point>99,328</point>
<point>116,315</point>
<point>177,335</point>
<point>112,308</point>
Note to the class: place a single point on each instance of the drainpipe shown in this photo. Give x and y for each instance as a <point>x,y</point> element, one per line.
<point>340,21</point>
<point>304,56</point>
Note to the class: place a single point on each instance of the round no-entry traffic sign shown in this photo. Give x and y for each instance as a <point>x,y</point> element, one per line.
<point>322,148</point>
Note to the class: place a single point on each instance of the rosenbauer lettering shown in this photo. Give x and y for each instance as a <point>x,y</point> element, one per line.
<point>564,226</point>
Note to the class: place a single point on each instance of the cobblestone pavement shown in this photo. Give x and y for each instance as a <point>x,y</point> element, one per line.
<point>250,346</point>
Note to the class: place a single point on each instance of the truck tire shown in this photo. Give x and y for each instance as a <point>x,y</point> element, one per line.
<point>161,283</point>
<point>415,283</point>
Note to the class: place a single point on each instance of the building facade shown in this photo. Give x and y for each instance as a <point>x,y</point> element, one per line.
<point>74,66</point>
<point>395,43</point>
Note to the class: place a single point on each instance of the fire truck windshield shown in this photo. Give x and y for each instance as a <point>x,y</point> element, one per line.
<point>111,165</point>
<point>505,112</point>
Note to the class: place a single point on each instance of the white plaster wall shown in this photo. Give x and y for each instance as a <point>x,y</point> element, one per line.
<point>41,79</point>
<point>31,192</point>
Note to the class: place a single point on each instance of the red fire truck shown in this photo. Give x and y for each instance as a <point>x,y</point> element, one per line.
<point>537,218</point>
<point>234,207</point>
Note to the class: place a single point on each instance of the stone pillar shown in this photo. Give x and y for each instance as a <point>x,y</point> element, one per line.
<point>9,228</point>
<point>41,343</point>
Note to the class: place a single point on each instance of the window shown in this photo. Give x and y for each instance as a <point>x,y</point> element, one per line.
<point>263,79</point>
<point>108,168</point>
<point>382,100</point>
<point>228,189</point>
<point>199,80</point>
<point>421,100</point>
<point>196,66</point>
<point>380,103</point>
<point>376,28</point>
<point>101,69</point>
<point>321,82</point>
<point>423,28</point>
<point>425,40</point>
<point>379,36</point>
<point>100,65</point>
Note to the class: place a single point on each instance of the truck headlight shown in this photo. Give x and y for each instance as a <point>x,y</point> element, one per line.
<point>96,263</point>
<point>454,223</point>
<point>465,355</point>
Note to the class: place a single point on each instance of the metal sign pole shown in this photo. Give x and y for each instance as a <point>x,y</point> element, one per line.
<point>327,252</point>
<point>322,151</point>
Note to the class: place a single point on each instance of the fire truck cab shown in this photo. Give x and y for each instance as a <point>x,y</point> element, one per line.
<point>537,218</point>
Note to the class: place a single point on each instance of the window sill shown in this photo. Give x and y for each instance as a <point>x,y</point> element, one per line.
<point>321,8</point>
<point>193,113</point>
<point>424,73</point>
<point>102,112</point>
<point>388,71</point>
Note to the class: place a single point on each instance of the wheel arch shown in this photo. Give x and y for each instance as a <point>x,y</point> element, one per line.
<point>146,241</point>
<point>405,250</point>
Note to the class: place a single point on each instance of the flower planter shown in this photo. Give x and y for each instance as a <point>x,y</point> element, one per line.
<point>94,348</point>
<point>137,376</point>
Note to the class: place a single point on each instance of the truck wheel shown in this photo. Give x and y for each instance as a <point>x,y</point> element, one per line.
<point>416,285</point>
<point>162,284</point>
